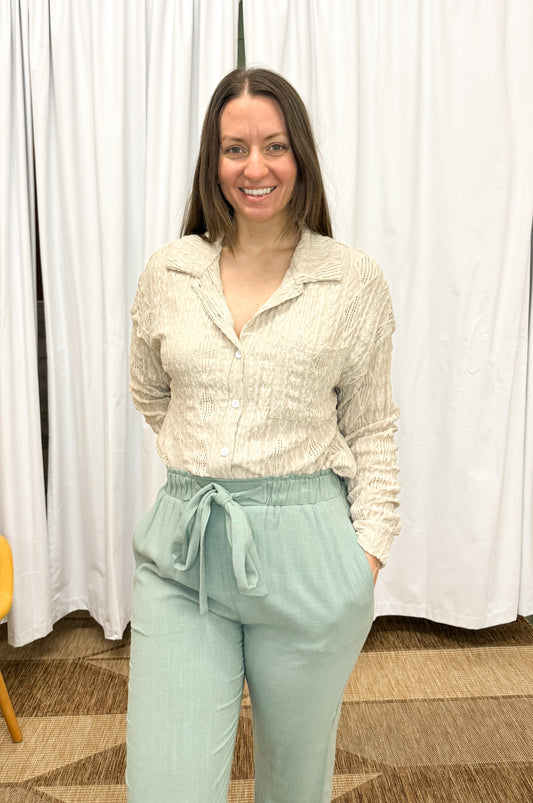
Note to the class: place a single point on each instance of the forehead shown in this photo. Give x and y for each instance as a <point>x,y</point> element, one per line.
<point>252,114</point>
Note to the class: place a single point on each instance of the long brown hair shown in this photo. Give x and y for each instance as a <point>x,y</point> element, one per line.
<point>208,213</point>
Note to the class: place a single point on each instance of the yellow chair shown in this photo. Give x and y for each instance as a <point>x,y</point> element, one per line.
<point>6,596</point>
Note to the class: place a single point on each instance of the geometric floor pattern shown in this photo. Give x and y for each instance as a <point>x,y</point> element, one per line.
<point>432,713</point>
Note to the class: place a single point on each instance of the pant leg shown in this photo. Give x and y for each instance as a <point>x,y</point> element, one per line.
<point>299,658</point>
<point>185,690</point>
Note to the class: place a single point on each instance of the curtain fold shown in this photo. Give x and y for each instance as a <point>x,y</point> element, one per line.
<point>22,496</point>
<point>525,602</point>
<point>87,63</point>
<point>423,115</point>
<point>117,92</point>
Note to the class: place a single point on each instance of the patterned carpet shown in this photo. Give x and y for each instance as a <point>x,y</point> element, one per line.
<point>432,713</point>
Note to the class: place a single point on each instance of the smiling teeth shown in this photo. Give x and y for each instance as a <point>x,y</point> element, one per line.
<point>263,191</point>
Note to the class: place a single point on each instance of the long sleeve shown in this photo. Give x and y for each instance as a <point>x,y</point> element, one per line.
<point>367,419</point>
<point>149,383</point>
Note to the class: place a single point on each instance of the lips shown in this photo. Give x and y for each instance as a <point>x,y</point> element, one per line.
<point>258,192</point>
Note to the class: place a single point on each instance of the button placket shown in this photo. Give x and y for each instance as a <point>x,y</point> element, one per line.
<point>235,393</point>
<point>234,405</point>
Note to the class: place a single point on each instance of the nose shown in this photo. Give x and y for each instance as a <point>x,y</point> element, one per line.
<point>256,167</point>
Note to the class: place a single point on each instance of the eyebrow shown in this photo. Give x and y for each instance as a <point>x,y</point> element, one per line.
<point>270,136</point>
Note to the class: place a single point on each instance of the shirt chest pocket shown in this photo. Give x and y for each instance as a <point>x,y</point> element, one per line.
<point>304,380</point>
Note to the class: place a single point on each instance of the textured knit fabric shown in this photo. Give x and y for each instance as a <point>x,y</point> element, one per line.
<point>306,387</point>
<point>290,603</point>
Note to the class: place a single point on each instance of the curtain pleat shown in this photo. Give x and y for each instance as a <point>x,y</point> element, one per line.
<point>22,495</point>
<point>525,602</point>
<point>423,116</point>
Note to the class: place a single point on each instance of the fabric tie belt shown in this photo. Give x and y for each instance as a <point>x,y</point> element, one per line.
<point>193,525</point>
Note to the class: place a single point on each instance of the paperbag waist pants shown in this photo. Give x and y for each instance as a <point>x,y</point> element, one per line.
<point>260,579</point>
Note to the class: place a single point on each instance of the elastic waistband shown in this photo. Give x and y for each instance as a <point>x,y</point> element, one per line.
<point>290,489</point>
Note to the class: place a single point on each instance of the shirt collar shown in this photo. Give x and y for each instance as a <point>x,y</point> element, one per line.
<point>315,259</point>
<point>192,255</point>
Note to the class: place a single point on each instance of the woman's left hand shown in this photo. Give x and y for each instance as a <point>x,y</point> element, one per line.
<point>375,565</point>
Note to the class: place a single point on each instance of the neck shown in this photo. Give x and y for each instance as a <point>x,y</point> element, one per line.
<point>262,237</point>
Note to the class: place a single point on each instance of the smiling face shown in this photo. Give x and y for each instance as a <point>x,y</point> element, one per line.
<point>256,167</point>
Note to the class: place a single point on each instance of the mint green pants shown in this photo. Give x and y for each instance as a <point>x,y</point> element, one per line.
<point>258,579</point>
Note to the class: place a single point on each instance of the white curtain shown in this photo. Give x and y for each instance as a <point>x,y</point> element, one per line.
<point>424,118</point>
<point>118,90</point>
<point>22,497</point>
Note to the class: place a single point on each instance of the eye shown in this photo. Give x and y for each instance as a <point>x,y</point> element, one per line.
<point>278,147</point>
<point>234,150</point>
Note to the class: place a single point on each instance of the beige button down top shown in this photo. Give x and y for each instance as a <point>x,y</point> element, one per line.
<point>306,387</point>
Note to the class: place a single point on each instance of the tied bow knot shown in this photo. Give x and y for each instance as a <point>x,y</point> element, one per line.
<point>193,525</point>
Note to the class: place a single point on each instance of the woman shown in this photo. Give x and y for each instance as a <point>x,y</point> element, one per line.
<point>261,356</point>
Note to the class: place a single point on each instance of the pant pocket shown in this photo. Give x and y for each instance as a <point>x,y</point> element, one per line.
<point>160,540</point>
<point>366,565</point>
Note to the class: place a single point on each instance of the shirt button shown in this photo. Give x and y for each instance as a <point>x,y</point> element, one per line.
<point>235,403</point>
<point>238,355</point>
<point>224,451</point>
